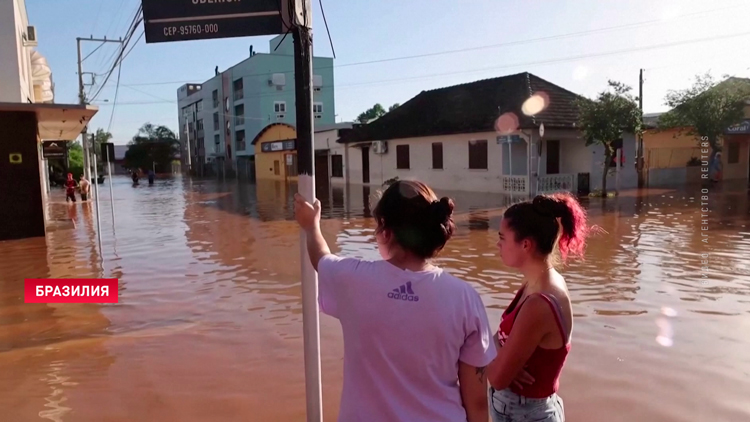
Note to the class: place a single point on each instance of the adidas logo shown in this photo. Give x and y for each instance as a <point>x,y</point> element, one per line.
<point>404,293</point>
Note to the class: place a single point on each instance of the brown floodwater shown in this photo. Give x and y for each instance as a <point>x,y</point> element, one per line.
<point>209,323</point>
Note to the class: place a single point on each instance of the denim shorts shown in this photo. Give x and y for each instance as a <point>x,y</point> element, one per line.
<point>507,406</point>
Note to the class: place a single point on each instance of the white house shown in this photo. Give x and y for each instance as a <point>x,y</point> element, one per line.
<point>482,136</point>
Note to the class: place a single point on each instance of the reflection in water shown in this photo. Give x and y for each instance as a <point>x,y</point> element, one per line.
<point>209,321</point>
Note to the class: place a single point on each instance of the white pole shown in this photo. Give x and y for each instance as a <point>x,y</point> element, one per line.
<point>303,67</point>
<point>528,162</point>
<point>111,194</point>
<point>617,171</point>
<point>96,198</point>
<point>510,159</point>
<point>187,144</point>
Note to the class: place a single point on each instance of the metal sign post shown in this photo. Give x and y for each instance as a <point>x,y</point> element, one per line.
<point>181,20</point>
<point>96,199</point>
<point>109,175</point>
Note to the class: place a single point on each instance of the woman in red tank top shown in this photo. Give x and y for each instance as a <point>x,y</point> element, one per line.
<point>533,339</point>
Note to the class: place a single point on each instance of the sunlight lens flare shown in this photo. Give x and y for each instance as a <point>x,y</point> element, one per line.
<point>535,104</point>
<point>506,123</point>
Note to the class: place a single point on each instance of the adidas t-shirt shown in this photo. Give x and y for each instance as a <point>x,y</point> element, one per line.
<point>404,334</point>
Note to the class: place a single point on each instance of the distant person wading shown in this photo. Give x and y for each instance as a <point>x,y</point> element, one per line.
<point>70,188</point>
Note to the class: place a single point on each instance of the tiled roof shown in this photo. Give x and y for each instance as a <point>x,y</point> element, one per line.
<point>470,108</point>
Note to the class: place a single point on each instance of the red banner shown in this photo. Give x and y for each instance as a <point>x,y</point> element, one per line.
<point>70,290</point>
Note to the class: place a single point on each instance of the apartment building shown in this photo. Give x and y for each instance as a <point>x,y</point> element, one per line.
<point>219,118</point>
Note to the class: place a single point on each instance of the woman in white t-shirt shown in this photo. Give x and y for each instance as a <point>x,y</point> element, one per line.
<point>416,339</point>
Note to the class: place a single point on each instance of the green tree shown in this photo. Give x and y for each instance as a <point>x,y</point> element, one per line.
<point>605,119</point>
<point>154,146</point>
<point>75,154</point>
<point>706,109</point>
<point>374,112</point>
<point>101,136</point>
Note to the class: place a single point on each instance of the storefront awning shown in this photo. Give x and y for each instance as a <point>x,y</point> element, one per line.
<point>56,121</point>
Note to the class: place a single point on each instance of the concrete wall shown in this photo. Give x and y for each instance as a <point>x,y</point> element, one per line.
<point>265,162</point>
<point>740,169</point>
<point>671,150</point>
<point>628,173</point>
<point>22,213</point>
<point>16,84</point>
<point>575,158</point>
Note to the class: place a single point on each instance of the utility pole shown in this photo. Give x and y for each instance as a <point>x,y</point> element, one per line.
<point>639,161</point>
<point>82,100</point>
<point>302,36</point>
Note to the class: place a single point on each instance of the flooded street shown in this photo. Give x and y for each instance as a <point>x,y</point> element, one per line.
<point>209,324</point>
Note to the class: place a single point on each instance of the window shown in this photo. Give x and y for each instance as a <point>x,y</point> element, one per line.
<point>215,96</point>
<point>733,152</point>
<point>337,166</point>
<point>615,146</point>
<point>478,155</point>
<point>239,115</point>
<point>200,124</point>
<point>318,108</point>
<point>240,136</point>
<point>201,147</point>
<point>216,121</point>
<point>237,87</point>
<point>553,157</point>
<point>199,105</point>
<point>402,156</point>
<point>279,106</point>
<point>217,139</point>
<point>437,155</point>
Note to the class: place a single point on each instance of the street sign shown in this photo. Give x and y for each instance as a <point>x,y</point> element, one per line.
<point>107,152</point>
<point>54,149</point>
<point>182,20</point>
<point>738,129</point>
<point>509,139</point>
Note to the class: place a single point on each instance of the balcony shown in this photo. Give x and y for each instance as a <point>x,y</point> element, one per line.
<point>555,183</point>
<point>515,184</point>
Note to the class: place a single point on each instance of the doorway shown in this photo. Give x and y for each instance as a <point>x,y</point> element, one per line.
<point>365,165</point>
<point>553,157</point>
<point>322,175</point>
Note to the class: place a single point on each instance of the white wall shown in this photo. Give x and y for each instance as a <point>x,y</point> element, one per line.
<point>575,158</point>
<point>15,63</point>
<point>628,173</point>
<point>455,174</point>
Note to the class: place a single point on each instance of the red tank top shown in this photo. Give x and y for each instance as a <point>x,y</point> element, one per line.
<point>545,365</point>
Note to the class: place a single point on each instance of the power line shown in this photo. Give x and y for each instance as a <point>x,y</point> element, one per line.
<point>526,64</point>
<point>484,47</point>
<point>129,35</point>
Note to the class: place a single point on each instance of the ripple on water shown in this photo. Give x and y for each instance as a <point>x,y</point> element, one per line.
<point>210,298</point>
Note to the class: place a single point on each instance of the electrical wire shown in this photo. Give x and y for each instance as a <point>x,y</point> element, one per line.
<point>117,90</point>
<point>137,19</point>
<point>94,51</point>
<point>515,65</point>
<point>326,25</point>
<point>484,47</point>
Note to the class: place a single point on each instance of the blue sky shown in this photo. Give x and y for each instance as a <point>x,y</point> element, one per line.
<point>618,39</point>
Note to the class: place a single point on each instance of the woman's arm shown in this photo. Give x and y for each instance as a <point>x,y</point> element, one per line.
<point>529,328</point>
<point>317,247</point>
<point>473,385</point>
<point>308,217</point>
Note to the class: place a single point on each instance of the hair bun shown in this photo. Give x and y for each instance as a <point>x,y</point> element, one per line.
<point>548,206</point>
<point>442,209</point>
